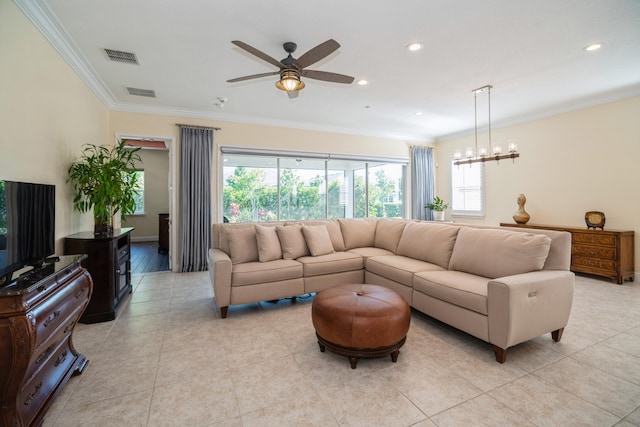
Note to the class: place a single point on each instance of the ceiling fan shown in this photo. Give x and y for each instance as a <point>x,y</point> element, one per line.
<point>291,68</point>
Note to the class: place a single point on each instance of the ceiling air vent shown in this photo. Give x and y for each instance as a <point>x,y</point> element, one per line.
<point>120,56</point>
<point>141,92</point>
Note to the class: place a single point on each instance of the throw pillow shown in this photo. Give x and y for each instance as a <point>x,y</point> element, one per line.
<point>292,241</point>
<point>317,239</point>
<point>242,244</point>
<point>268,243</point>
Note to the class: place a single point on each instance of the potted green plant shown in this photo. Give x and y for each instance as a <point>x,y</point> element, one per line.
<point>437,206</point>
<point>105,179</point>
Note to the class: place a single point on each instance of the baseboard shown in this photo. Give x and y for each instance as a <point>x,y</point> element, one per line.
<point>144,239</point>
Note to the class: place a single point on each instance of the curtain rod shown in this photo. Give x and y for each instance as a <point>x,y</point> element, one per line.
<point>196,126</point>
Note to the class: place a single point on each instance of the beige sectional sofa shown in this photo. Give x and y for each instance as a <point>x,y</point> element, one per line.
<point>504,286</point>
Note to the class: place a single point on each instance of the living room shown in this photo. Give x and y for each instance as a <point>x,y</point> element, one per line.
<point>572,161</point>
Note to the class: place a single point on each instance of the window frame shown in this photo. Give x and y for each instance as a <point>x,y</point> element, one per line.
<point>457,169</point>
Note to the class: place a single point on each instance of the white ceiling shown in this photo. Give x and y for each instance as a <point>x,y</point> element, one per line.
<point>530,51</point>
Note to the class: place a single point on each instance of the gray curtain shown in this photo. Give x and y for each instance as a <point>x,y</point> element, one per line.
<point>196,152</point>
<point>422,188</point>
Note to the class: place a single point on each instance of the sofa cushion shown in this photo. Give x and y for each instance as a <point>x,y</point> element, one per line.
<point>358,232</point>
<point>369,252</point>
<point>388,233</point>
<point>336,262</point>
<point>498,253</point>
<point>268,244</point>
<point>242,243</point>
<point>252,273</point>
<point>398,268</point>
<point>317,239</point>
<point>428,242</point>
<point>455,287</point>
<point>292,241</point>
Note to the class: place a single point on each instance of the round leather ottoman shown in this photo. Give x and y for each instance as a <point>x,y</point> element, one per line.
<point>360,321</point>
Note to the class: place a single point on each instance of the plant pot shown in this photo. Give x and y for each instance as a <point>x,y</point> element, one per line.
<point>438,215</point>
<point>102,229</point>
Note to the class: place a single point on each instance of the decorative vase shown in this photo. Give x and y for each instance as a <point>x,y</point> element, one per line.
<point>438,215</point>
<point>521,216</point>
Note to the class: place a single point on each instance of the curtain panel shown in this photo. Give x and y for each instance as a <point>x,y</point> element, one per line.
<point>196,154</point>
<point>422,182</point>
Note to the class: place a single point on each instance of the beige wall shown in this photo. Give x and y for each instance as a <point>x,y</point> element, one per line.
<point>46,114</point>
<point>570,163</point>
<point>155,164</point>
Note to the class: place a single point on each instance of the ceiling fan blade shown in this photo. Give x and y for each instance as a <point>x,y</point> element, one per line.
<point>317,53</point>
<point>327,77</point>
<point>293,94</point>
<point>252,50</point>
<point>253,76</point>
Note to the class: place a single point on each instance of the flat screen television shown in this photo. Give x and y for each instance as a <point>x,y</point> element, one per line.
<point>27,225</point>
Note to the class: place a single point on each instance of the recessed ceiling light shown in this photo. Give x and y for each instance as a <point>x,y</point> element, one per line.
<point>418,113</point>
<point>593,46</point>
<point>412,47</point>
<point>363,82</point>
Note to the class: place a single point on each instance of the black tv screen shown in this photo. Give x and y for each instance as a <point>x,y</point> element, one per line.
<point>27,224</point>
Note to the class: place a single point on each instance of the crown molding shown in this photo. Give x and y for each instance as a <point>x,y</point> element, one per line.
<point>46,22</point>
<point>236,118</point>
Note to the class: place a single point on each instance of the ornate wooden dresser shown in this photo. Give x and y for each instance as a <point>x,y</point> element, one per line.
<point>607,253</point>
<point>38,312</point>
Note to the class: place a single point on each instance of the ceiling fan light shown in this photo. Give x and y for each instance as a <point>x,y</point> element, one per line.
<point>289,81</point>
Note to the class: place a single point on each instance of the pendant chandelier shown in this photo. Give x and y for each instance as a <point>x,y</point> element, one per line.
<point>484,154</point>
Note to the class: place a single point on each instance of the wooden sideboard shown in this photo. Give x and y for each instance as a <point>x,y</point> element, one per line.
<point>109,263</point>
<point>38,312</point>
<point>607,253</point>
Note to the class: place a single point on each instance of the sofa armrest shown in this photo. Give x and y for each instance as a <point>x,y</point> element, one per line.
<point>220,275</point>
<point>525,306</point>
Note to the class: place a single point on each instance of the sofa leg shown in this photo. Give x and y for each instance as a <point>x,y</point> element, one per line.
<point>557,334</point>
<point>223,311</point>
<point>501,354</point>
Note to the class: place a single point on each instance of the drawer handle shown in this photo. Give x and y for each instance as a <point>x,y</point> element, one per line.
<point>34,394</point>
<point>51,318</point>
<point>44,354</point>
<point>69,328</point>
<point>61,359</point>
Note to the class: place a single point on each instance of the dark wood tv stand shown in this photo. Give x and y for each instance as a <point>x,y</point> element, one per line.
<point>109,263</point>
<point>38,313</point>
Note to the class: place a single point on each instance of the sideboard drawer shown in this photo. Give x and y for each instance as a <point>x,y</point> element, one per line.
<point>593,239</point>
<point>600,264</point>
<point>594,251</point>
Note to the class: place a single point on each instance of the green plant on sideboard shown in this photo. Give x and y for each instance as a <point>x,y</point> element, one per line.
<point>105,179</point>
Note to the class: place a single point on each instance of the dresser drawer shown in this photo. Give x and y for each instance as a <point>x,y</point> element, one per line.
<point>586,262</point>
<point>43,354</point>
<point>35,391</point>
<point>593,239</point>
<point>59,307</point>
<point>605,252</point>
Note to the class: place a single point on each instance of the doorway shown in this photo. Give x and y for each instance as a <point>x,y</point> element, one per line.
<point>151,244</point>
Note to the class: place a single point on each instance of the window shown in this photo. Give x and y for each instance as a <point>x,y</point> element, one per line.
<point>467,186</point>
<point>139,193</point>
<point>259,186</point>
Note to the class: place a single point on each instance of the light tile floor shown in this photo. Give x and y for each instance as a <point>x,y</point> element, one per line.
<point>168,360</point>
